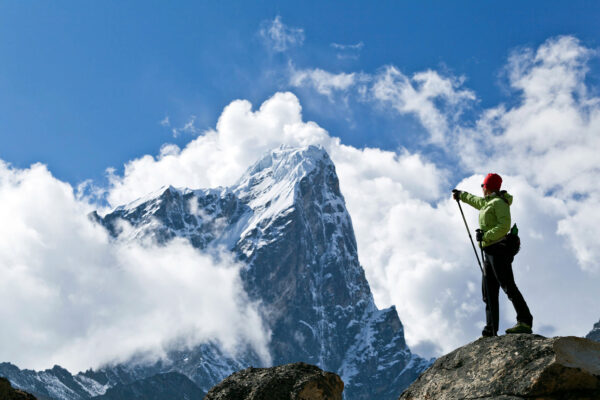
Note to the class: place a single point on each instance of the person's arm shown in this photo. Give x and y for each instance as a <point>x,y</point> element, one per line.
<point>502,211</point>
<point>472,200</point>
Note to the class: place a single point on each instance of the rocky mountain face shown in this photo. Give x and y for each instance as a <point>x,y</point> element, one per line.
<point>170,385</point>
<point>286,220</point>
<point>514,367</point>
<point>594,333</point>
<point>298,381</point>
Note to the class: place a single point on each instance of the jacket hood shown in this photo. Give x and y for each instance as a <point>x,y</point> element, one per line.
<point>503,194</point>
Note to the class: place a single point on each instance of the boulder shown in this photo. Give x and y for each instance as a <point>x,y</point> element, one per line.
<point>514,367</point>
<point>7,392</point>
<point>297,381</point>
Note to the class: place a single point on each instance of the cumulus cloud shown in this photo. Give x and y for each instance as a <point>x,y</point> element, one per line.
<point>551,137</point>
<point>220,156</point>
<point>385,191</point>
<point>411,238</point>
<point>420,95</point>
<point>280,37</point>
<point>72,296</point>
<point>435,100</point>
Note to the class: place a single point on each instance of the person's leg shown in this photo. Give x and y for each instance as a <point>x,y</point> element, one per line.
<point>491,301</point>
<point>501,263</point>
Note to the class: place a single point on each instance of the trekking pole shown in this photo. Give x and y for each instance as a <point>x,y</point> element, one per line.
<point>470,237</point>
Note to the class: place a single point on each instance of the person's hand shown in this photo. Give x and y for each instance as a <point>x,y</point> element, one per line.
<point>456,194</point>
<point>479,235</point>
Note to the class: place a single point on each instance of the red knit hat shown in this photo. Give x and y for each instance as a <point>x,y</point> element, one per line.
<point>492,182</point>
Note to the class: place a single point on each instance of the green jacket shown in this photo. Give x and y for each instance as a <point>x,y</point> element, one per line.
<point>494,215</point>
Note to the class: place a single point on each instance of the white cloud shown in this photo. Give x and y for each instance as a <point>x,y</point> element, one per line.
<point>551,137</point>
<point>411,238</point>
<point>188,127</point>
<point>72,296</point>
<point>356,46</point>
<point>412,241</point>
<point>325,82</point>
<point>418,96</point>
<point>348,51</point>
<point>220,156</point>
<point>279,36</point>
<point>436,101</point>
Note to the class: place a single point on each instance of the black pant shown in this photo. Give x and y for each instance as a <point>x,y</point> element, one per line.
<point>498,270</point>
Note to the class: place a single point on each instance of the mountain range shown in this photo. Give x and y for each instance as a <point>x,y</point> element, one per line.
<point>286,221</point>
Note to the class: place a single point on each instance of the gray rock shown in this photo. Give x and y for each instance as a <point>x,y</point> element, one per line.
<point>297,381</point>
<point>594,333</point>
<point>514,367</point>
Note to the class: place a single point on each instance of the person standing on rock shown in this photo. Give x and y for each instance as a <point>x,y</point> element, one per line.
<point>494,223</point>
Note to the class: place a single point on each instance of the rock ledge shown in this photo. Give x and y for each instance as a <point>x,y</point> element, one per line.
<point>514,367</point>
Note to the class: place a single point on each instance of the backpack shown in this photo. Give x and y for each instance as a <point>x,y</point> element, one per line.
<point>513,243</point>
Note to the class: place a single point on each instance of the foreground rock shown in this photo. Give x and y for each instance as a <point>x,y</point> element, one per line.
<point>7,392</point>
<point>298,381</point>
<point>514,367</point>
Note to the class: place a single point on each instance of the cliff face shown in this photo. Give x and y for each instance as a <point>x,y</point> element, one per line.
<point>170,385</point>
<point>514,367</point>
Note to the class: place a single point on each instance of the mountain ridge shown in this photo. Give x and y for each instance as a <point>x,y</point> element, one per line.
<point>286,221</point>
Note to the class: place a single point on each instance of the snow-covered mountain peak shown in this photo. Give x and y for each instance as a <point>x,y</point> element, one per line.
<point>270,186</point>
<point>283,166</point>
<point>287,223</point>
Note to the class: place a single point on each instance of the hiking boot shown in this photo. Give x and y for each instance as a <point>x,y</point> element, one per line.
<point>487,332</point>
<point>520,327</point>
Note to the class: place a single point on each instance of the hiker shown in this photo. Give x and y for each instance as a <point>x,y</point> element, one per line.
<point>494,221</point>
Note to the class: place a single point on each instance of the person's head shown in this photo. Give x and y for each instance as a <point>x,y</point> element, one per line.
<point>491,184</point>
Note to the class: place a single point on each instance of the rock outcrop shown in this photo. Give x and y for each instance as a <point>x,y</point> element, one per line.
<point>297,381</point>
<point>7,392</point>
<point>514,367</point>
<point>594,333</point>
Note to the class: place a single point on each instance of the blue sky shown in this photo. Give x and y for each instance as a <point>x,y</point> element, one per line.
<point>410,99</point>
<point>84,85</point>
